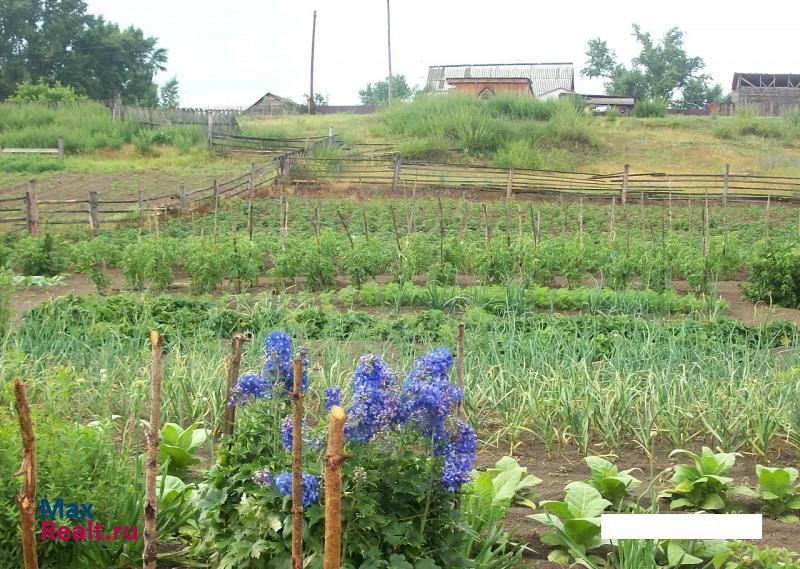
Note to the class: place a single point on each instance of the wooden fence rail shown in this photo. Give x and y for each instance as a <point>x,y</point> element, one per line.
<point>58,151</point>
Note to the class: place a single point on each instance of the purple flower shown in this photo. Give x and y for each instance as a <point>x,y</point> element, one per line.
<point>375,399</point>
<point>283,484</point>
<point>459,457</point>
<point>262,477</point>
<point>333,396</point>
<point>428,396</point>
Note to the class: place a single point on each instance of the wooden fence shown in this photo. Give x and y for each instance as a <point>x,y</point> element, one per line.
<point>58,150</point>
<point>399,173</point>
<point>259,146</point>
<point>223,120</point>
<point>31,213</point>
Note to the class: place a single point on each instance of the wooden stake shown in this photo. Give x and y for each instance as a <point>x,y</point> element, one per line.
<point>487,231</point>
<point>624,195</point>
<point>412,223</point>
<point>311,103</point>
<point>26,499</point>
<point>251,190</point>
<point>297,465</point>
<point>510,184</point>
<point>151,466</point>
<point>32,209</point>
<point>766,218</point>
<point>612,236</point>
<point>396,231</point>
<point>94,215</point>
<point>441,231</point>
<point>366,225</point>
<point>465,215</point>
<point>726,176</point>
<point>334,457</point>
<point>233,377</point>
<point>460,366</point>
<point>283,226</point>
<point>346,229</point>
<point>580,225</point>
<point>215,197</point>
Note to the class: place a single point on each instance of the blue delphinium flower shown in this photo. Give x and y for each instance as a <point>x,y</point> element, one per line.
<point>375,399</point>
<point>286,432</point>
<point>278,349</point>
<point>428,396</point>
<point>333,396</point>
<point>283,484</point>
<point>459,457</point>
<point>262,476</point>
<point>249,385</point>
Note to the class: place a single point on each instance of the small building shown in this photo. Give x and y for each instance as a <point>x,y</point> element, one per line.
<point>769,93</point>
<point>600,104</point>
<point>485,88</point>
<point>271,104</point>
<point>544,80</point>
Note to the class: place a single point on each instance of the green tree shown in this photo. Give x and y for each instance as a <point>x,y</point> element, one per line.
<point>661,69</point>
<point>41,92</point>
<point>168,95</point>
<point>698,92</point>
<point>378,92</point>
<point>58,41</point>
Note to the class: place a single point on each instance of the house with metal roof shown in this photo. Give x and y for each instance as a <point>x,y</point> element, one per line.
<point>545,80</point>
<point>768,93</point>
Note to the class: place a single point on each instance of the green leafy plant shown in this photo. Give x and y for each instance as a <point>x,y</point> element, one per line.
<point>741,555</point>
<point>575,522</point>
<point>703,485</point>
<point>613,484</point>
<point>45,255</point>
<point>485,503</point>
<point>779,490</point>
<point>179,446</point>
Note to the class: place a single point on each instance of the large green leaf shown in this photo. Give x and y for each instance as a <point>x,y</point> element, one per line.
<point>582,531</point>
<point>584,501</point>
<point>677,555</point>
<point>776,483</point>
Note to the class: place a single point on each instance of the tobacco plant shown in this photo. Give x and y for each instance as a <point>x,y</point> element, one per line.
<point>613,484</point>
<point>702,485</point>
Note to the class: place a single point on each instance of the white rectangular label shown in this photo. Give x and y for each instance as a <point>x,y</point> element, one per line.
<point>680,526</point>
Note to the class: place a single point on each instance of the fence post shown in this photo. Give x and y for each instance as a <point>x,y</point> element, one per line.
<point>625,172</point>
<point>725,182</point>
<point>510,184</point>
<point>151,465</point>
<point>183,202</point>
<point>61,148</point>
<point>94,216</point>
<point>396,178</point>
<point>334,457</point>
<point>32,209</point>
<point>233,376</point>
<point>210,132</point>
<point>26,499</point>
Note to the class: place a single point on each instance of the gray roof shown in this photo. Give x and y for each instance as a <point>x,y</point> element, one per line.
<point>545,77</point>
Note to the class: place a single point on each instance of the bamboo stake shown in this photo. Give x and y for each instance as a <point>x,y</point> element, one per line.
<point>334,457</point>
<point>297,465</point>
<point>233,376</point>
<point>151,467</point>
<point>26,499</point>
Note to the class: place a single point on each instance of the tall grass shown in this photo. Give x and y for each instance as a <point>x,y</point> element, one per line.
<point>512,130</point>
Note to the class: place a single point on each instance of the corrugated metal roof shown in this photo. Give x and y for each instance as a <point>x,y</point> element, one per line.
<point>545,77</point>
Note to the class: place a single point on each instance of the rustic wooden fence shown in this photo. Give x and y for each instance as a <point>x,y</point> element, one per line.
<point>223,143</point>
<point>58,151</point>
<point>223,120</point>
<point>31,213</point>
<point>624,185</point>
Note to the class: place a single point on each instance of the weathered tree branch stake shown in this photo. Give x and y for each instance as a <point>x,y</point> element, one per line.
<point>334,457</point>
<point>233,376</point>
<point>151,466</point>
<point>26,499</point>
<point>297,465</point>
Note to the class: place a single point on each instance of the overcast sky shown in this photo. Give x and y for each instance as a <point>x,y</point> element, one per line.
<point>229,53</point>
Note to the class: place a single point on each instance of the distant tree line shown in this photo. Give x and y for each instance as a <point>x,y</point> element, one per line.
<point>57,42</point>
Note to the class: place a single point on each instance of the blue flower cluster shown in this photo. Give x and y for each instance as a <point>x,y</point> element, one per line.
<point>333,396</point>
<point>277,372</point>
<point>428,396</point>
<point>283,484</point>
<point>459,456</point>
<point>376,399</point>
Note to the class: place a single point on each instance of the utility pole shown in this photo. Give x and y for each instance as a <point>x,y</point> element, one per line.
<point>389,39</point>
<point>311,105</point>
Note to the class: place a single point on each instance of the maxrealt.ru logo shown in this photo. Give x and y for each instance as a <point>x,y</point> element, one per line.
<point>86,528</point>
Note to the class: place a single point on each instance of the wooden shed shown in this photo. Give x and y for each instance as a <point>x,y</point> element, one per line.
<point>545,80</point>
<point>485,88</point>
<point>769,93</point>
<point>271,104</point>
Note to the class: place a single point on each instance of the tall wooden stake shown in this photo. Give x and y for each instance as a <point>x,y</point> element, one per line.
<point>312,107</point>
<point>151,466</point>
<point>334,457</point>
<point>233,376</point>
<point>460,366</point>
<point>26,499</point>
<point>297,465</point>
<point>389,41</point>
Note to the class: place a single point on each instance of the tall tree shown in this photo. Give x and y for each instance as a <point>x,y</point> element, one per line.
<point>378,92</point>
<point>56,40</point>
<point>168,94</point>
<point>662,69</point>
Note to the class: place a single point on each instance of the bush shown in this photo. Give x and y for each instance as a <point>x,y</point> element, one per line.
<point>775,276</point>
<point>45,255</point>
<point>646,108</point>
<point>41,92</point>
